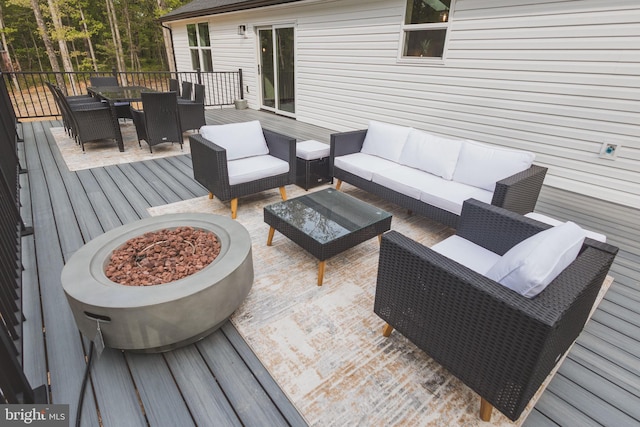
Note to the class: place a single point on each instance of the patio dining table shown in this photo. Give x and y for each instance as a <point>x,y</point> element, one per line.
<point>116,94</point>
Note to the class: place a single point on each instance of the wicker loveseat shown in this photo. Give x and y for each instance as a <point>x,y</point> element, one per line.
<point>499,343</point>
<point>432,175</point>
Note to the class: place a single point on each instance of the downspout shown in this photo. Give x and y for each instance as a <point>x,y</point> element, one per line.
<point>173,51</point>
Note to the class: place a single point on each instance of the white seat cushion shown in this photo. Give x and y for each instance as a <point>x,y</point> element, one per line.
<point>552,221</point>
<point>401,179</point>
<point>467,253</point>
<point>253,168</point>
<point>483,165</point>
<point>240,140</point>
<point>431,153</point>
<point>312,149</point>
<point>450,195</point>
<point>363,165</point>
<point>532,264</point>
<point>385,140</point>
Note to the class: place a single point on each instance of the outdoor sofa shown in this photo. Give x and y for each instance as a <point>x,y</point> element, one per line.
<point>496,313</point>
<point>432,175</point>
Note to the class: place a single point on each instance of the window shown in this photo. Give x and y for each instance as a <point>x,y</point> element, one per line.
<point>425,28</point>
<point>200,46</point>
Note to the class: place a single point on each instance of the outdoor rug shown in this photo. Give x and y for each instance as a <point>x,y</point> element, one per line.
<point>105,152</point>
<point>324,345</point>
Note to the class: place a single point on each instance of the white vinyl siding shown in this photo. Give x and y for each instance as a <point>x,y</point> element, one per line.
<point>558,78</point>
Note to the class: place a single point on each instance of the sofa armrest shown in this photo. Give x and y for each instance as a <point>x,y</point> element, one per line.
<point>282,147</point>
<point>499,343</point>
<point>343,143</point>
<point>519,193</point>
<point>210,165</point>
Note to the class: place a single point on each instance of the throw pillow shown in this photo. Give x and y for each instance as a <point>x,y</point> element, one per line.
<point>532,264</point>
<point>385,140</point>
<point>431,153</point>
<point>483,165</point>
<point>239,139</point>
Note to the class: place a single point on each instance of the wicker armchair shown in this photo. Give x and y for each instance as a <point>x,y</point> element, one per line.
<point>174,86</point>
<point>192,112</point>
<point>498,342</point>
<point>186,91</point>
<point>85,121</point>
<point>159,122</point>
<point>211,168</point>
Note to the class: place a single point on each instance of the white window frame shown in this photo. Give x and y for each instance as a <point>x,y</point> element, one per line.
<point>407,28</point>
<point>199,47</point>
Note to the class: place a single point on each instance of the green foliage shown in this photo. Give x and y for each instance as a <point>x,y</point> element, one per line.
<point>27,47</point>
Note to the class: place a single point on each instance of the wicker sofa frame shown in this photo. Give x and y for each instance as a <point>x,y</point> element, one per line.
<point>499,343</point>
<point>517,193</point>
<point>210,168</point>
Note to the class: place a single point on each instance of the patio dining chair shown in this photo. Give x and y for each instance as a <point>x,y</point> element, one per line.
<point>470,301</point>
<point>90,121</point>
<point>174,86</point>
<point>187,87</point>
<point>122,108</point>
<point>158,122</point>
<point>192,112</point>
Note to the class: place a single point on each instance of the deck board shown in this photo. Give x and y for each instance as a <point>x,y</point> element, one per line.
<point>206,400</point>
<point>161,397</point>
<point>598,386</point>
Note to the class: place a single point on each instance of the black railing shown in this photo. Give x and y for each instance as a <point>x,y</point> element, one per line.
<point>31,99</point>
<point>14,386</point>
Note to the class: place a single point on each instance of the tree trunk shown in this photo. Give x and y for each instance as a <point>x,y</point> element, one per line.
<point>115,33</point>
<point>62,43</point>
<point>168,42</point>
<point>6,49</point>
<point>53,60</point>
<point>37,49</point>
<point>133,50</point>
<point>89,42</point>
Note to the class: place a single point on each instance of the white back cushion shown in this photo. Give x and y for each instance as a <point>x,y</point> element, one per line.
<point>431,153</point>
<point>385,140</point>
<point>483,165</point>
<point>240,140</point>
<point>532,264</point>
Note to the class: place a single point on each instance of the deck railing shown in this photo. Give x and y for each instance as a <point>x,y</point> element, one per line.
<point>14,386</point>
<point>31,99</point>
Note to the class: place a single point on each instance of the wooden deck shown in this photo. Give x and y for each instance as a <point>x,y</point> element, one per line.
<point>219,381</point>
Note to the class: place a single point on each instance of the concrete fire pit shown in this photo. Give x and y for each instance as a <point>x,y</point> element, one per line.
<point>160,317</point>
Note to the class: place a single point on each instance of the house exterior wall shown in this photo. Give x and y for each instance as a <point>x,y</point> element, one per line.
<point>557,78</point>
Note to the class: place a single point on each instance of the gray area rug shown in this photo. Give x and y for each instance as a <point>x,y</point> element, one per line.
<point>324,345</point>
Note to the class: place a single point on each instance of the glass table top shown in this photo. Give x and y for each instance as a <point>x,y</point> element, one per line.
<point>120,93</point>
<point>327,215</point>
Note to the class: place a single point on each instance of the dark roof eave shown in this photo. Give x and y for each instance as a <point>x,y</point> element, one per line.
<point>254,4</point>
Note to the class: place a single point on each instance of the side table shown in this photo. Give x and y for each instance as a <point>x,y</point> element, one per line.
<point>312,164</point>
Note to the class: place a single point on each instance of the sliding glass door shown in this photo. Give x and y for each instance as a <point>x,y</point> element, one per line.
<point>277,69</point>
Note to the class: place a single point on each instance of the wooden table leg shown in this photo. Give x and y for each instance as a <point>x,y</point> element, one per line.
<point>379,239</point>
<point>270,237</point>
<point>338,184</point>
<point>283,193</point>
<point>210,195</point>
<point>321,272</point>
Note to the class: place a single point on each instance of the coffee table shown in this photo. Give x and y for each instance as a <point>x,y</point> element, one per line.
<point>326,223</point>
